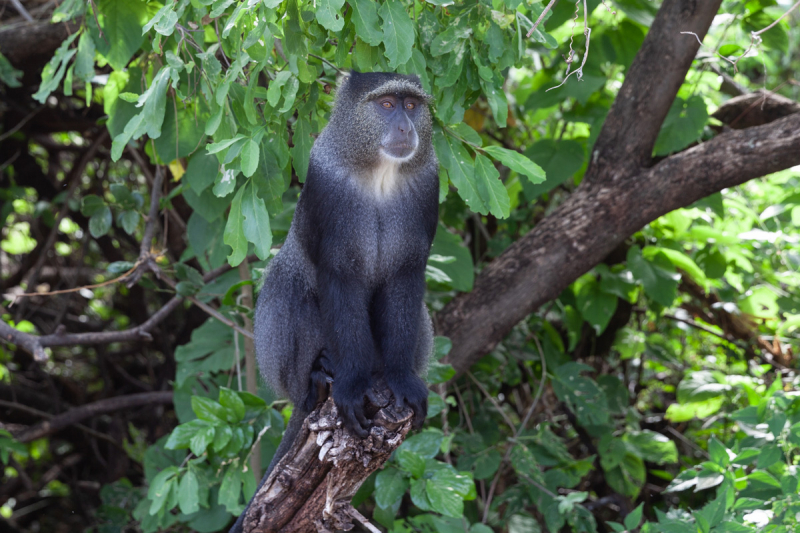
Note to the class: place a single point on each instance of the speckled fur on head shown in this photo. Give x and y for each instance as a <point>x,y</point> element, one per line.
<point>355,139</point>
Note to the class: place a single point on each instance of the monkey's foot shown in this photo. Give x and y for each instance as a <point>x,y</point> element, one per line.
<point>409,390</point>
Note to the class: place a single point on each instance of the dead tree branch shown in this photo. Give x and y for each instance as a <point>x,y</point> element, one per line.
<point>311,487</point>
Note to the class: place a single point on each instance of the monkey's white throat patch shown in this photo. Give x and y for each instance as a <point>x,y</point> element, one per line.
<point>384,179</point>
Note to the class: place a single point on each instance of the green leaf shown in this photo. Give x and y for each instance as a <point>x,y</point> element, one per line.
<point>683,125</point>
<point>455,158</point>
<point>443,499</point>
<point>365,18</point>
<point>188,493</point>
<point>411,462</point>
<point>201,440</point>
<point>449,39</point>
<point>122,29</point>
<point>679,259</point>
<point>328,14</point>
<point>596,306</point>
<point>129,220</point>
<point>426,443</point>
<point>518,163</point>
<point>653,447</point>
<point>182,435</point>
<point>770,454</point>
<point>249,156</point>
<point>659,281</point>
<point>234,230</point>
<point>230,490</point>
<point>398,33</point>
<point>256,222</point>
<point>490,187</point>
<point>302,147</point>
<point>233,405</point>
<point>213,148</point>
<point>559,160</point>
<point>201,171</point>
<point>155,103</point>
<point>84,61</point>
<point>635,516</point>
<point>207,409</point>
<point>100,222</point>
<point>390,486</point>
<point>53,72</point>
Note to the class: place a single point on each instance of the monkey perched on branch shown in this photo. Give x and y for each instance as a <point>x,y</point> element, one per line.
<point>343,299</point>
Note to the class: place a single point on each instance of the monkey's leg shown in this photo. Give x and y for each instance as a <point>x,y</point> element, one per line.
<point>320,380</point>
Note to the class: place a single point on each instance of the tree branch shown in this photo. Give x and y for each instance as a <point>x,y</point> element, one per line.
<point>594,220</point>
<point>626,141</point>
<point>109,405</point>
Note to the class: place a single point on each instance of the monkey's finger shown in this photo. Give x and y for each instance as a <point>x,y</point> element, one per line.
<point>352,423</point>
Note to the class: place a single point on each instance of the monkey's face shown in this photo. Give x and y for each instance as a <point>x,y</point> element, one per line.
<point>398,113</point>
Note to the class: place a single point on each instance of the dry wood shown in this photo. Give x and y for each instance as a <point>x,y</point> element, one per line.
<point>310,488</point>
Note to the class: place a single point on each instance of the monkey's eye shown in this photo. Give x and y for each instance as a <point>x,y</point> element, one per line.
<point>410,105</point>
<point>387,104</point>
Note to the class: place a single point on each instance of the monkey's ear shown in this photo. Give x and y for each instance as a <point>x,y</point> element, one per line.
<point>343,76</point>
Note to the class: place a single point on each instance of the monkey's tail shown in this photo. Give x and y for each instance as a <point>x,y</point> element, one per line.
<point>292,429</point>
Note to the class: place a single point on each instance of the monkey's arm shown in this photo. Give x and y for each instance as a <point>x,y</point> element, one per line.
<point>398,313</point>
<point>344,306</point>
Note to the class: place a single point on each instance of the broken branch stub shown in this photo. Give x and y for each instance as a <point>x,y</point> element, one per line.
<point>311,487</point>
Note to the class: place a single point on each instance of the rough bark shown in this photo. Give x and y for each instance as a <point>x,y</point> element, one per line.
<point>621,191</point>
<point>311,487</point>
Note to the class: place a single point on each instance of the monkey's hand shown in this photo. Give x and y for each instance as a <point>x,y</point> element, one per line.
<point>410,390</point>
<point>349,396</point>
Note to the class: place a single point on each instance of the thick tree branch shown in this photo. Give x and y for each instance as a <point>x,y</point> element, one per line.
<point>594,220</point>
<point>109,405</point>
<point>629,133</point>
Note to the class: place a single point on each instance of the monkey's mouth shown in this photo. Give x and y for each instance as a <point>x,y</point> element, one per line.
<point>399,150</point>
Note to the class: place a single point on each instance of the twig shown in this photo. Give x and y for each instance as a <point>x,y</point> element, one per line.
<point>21,10</point>
<point>528,414</point>
<point>587,32</point>
<point>48,416</point>
<point>74,181</point>
<point>755,38</point>
<point>208,309</point>
<point>494,403</point>
<point>364,522</point>
<point>541,17</point>
<point>109,405</point>
<point>21,123</point>
<point>35,345</point>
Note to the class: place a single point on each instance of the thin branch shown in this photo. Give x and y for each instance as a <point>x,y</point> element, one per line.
<point>109,405</point>
<point>539,20</point>
<point>494,403</point>
<point>21,123</point>
<point>208,309</point>
<point>21,10</point>
<point>48,416</point>
<point>74,180</point>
